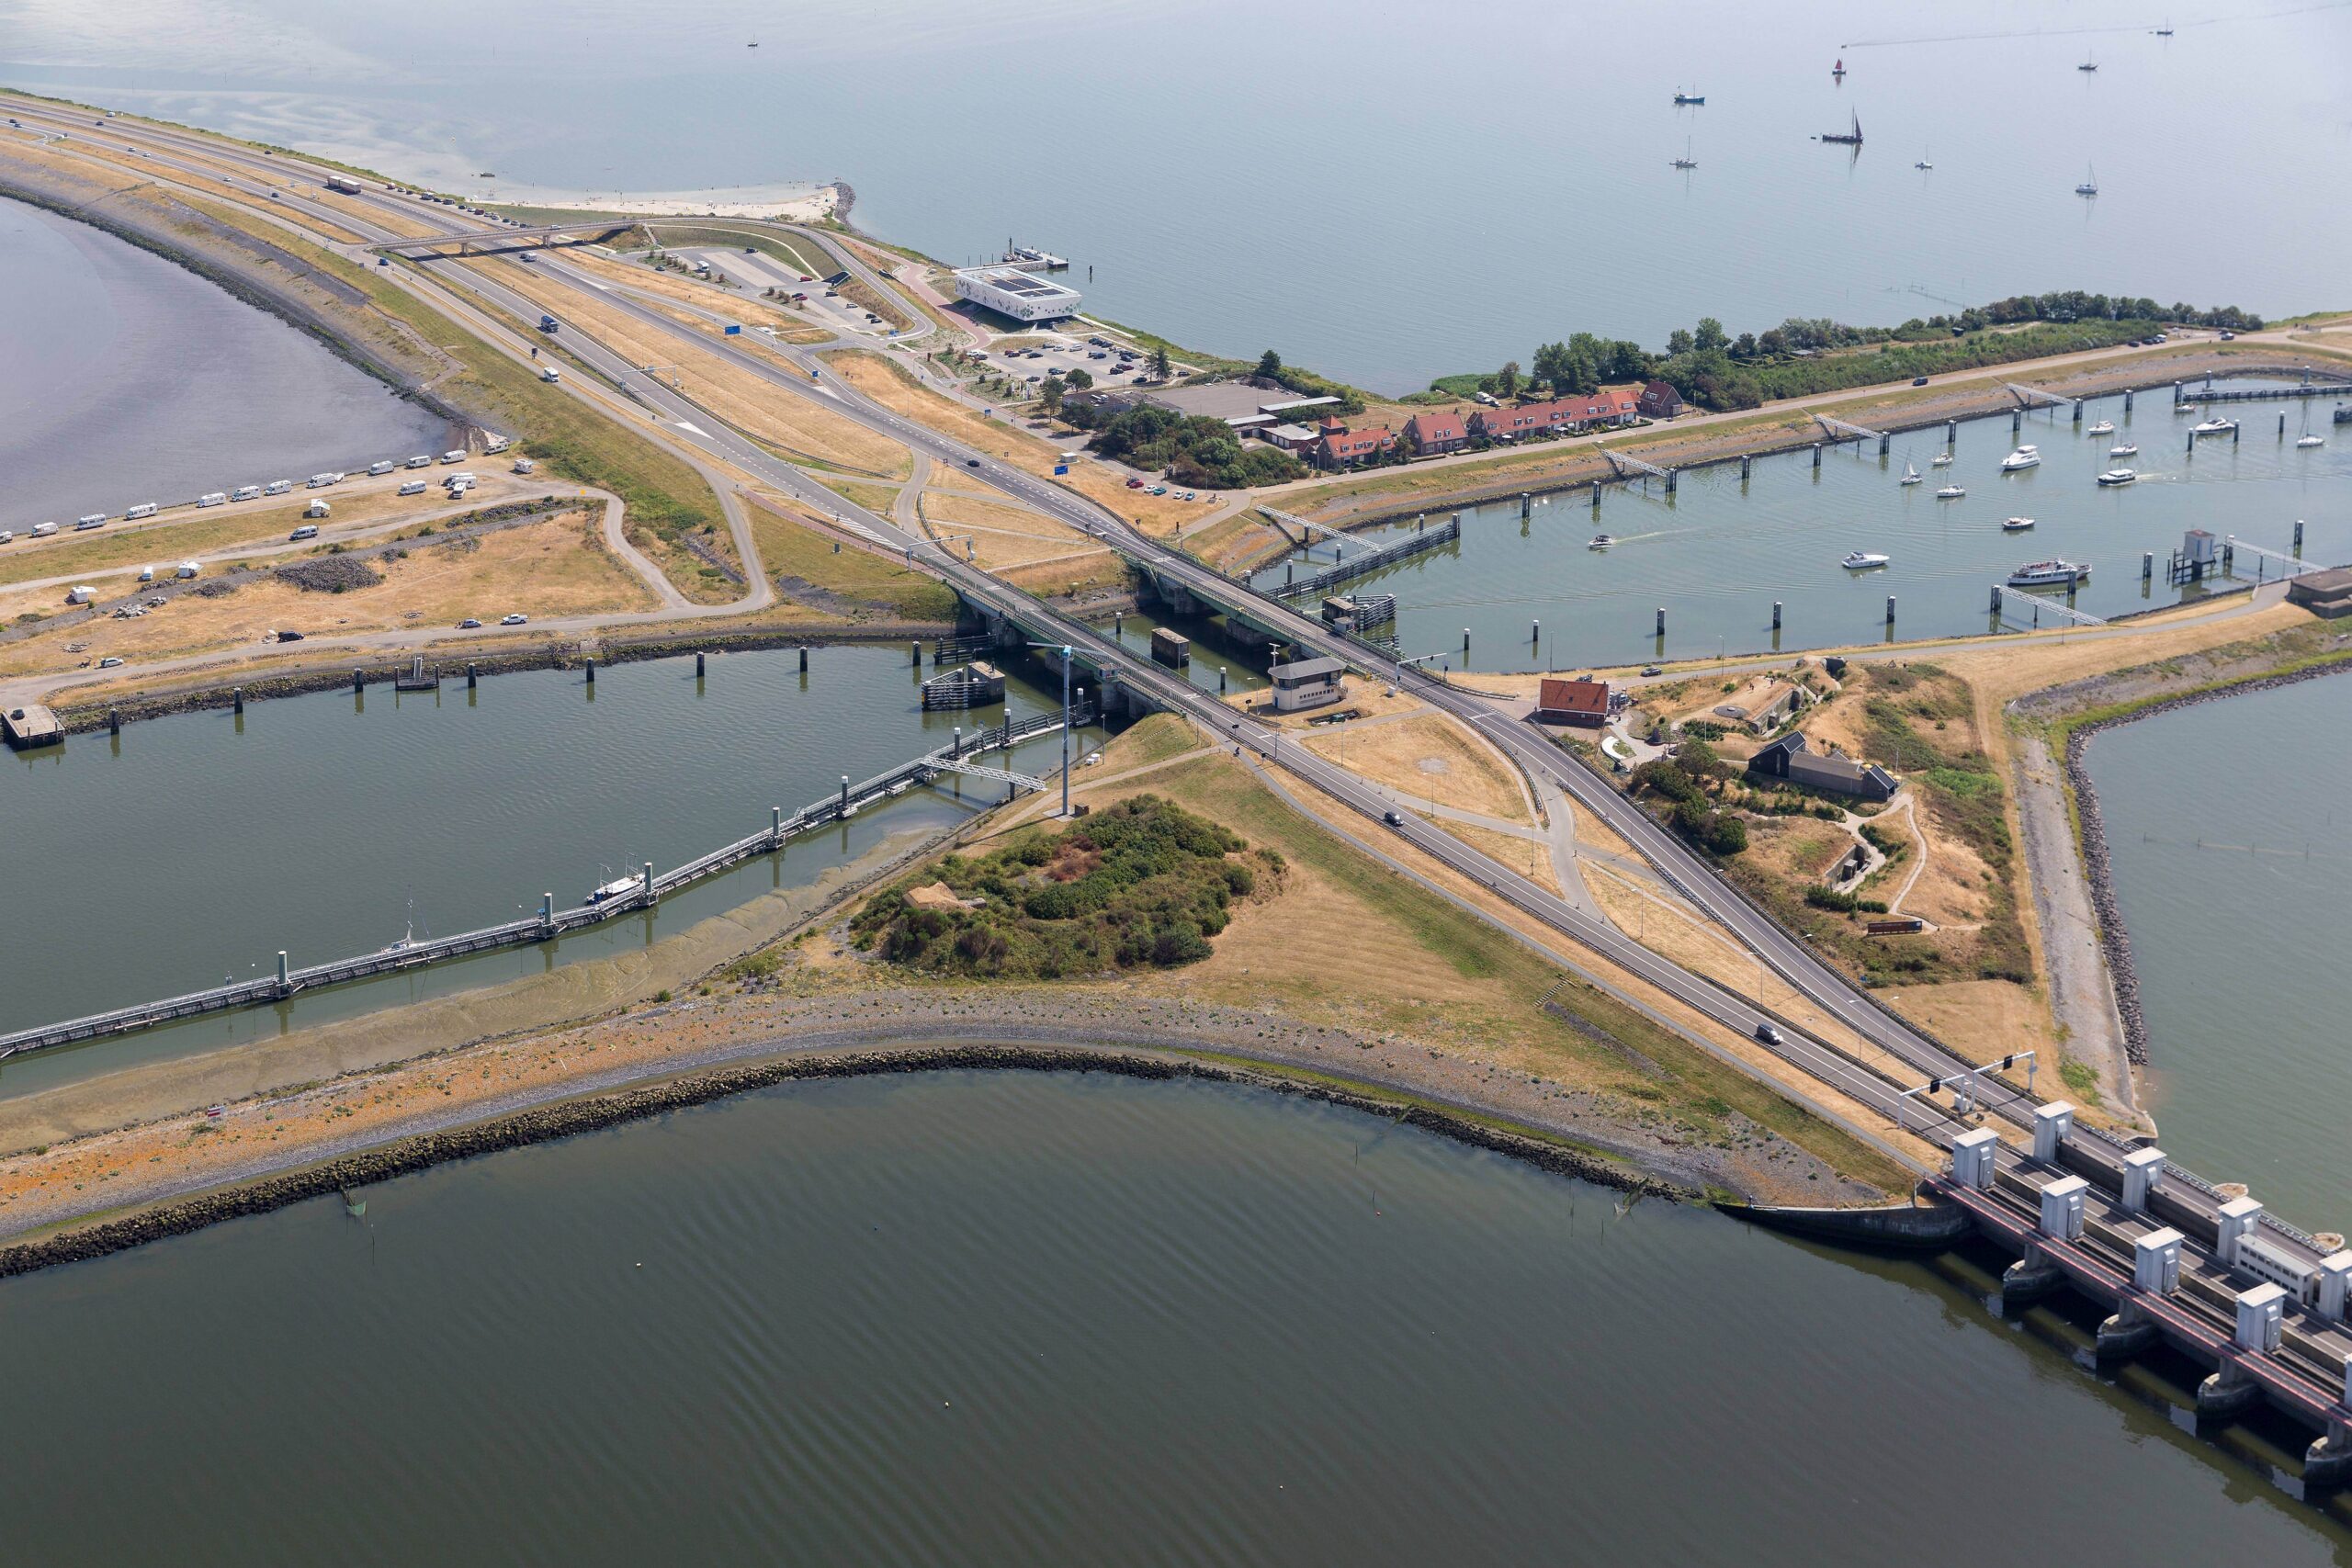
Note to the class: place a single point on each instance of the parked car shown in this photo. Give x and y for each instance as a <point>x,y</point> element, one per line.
<point>1135,484</point>
<point>1918,380</point>
<point>109,662</point>
<point>469,624</point>
<point>515,621</point>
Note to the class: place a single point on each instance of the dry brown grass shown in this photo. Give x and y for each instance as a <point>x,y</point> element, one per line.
<point>546,570</point>
<point>1433,756</point>
<point>1526,856</point>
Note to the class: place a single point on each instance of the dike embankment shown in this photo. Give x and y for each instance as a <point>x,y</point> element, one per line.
<point>816,1059</point>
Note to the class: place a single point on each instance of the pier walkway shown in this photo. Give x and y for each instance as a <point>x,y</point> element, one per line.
<point>1412,544</point>
<point>551,922</point>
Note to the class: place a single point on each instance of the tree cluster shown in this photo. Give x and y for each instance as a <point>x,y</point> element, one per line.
<point>1193,449</point>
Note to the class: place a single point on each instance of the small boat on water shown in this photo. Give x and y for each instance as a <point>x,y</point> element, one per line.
<point>1845,138</point>
<point>2216,425</point>
<point>2124,449</point>
<point>619,887</point>
<point>2311,440</point>
<point>1686,161</point>
<point>407,941</point>
<point>2090,184</point>
<point>2023,457</point>
<point>2118,477</point>
<point>2050,574</point>
<point>1682,97</point>
<point>1864,560</point>
<point>1600,541</point>
<point>2104,428</point>
<point>1940,460</point>
<point>1838,70</point>
<point>2016,525</point>
<point>1911,476</point>
<point>1952,492</point>
<point>2090,63</point>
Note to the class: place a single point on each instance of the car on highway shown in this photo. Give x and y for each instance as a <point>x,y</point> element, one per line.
<point>1766,1033</point>
<point>971,462</point>
<point>469,624</point>
<point>1391,818</point>
<point>517,620</point>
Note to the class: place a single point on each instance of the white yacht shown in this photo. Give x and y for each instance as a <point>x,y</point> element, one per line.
<point>2050,574</point>
<point>619,887</point>
<point>1940,460</point>
<point>2016,525</point>
<point>1952,492</point>
<point>1911,476</point>
<point>2104,428</point>
<point>2118,477</point>
<point>2124,449</point>
<point>2216,425</point>
<point>1600,541</point>
<point>1863,560</point>
<point>2023,457</point>
<point>2311,440</point>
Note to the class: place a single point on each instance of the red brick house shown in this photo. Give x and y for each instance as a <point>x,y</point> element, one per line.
<point>1616,405</point>
<point>1527,418</point>
<point>1341,447</point>
<point>1660,400</point>
<point>1584,704</point>
<point>1431,433</point>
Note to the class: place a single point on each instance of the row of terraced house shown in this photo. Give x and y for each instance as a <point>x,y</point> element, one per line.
<point>1436,433</point>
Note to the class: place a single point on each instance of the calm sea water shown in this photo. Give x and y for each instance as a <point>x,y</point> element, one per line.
<point>1387,192</point>
<point>2231,841</point>
<point>1719,552</point>
<point>1065,1319</point>
<point>131,380</point>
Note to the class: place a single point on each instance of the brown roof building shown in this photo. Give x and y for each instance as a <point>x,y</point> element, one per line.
<point>1581,702</point>
<point>1343,448</point>
<point>1431,433</point>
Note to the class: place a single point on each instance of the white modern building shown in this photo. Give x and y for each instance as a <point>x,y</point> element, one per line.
<point>1011,292</point>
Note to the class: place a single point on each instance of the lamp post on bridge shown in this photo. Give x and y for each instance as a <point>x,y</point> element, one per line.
<point>1065,650</point>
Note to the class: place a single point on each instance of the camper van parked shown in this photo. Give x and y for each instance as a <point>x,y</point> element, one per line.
<point>375,470</point>
<point>188,568</point>
<point>320,482</point>
<point>213,498</point>
<point>524,465</point>
<point>95,520</point>
<point>458,456</point>
<point>278,486</point>
<point>414,487</point>
<point>80,595</point>
<point>550,373</point>
<point>145,509</point>
<point>317,508</point>
<point>43,530</point>
<point>307,531</point>
<point>421,462</point>
<point>245,492</point>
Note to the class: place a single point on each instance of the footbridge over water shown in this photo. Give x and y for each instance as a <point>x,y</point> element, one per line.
<point>959,759</point>
<point>1845,430</point>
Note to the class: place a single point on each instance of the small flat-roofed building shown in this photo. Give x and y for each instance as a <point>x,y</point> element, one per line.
<point>1299,438</point>
<point>1788,759</point>
<point>1020,295</point>
<point>1584,704</point>
<point>2327,593</point>
<point>1307,684</point>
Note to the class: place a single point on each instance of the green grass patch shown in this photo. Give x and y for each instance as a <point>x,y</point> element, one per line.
<point>788,548</point>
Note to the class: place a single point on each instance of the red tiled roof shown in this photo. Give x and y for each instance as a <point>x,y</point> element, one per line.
<point>1573,697</point>
<point>1427,427</point>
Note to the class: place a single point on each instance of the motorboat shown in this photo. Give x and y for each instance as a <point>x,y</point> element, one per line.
<point>1952,492</point>
<point>2016,525</point>
<point>2311,440</point>
<point>2118,477</point>
<point>2023,457</point>
<point>1682,97</point>
<point>2216,425</point>
<point>1940,460</point>
<point>2050,574</point>
<point>2104,428</point>
<point>1600,541</point>
<point>619,887</point>
<point>1911,476</point>
<point>1863,560</point>
<point>2124,449</point>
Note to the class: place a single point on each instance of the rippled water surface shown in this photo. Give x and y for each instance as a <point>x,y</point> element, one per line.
<point>992,1318</point>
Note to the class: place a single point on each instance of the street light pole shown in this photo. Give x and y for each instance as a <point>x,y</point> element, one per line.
<point>1068,654</point>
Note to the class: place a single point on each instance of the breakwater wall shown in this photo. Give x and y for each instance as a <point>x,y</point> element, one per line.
<point>816,1058</point>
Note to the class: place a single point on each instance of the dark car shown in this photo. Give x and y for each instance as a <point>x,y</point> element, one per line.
<point>1766,1033</point>
<point>1918,380</point>
<point>971,462</point>
<point>1391,818</point>
<point>290,637</point>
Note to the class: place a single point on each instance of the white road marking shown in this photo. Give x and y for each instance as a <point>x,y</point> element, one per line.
<point>696,430</point>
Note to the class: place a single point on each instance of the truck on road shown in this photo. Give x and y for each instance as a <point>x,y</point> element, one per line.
<point>547,323</point>
<point>343,185</point>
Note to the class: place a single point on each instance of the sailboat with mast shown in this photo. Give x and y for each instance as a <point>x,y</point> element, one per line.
<point>1845,138</point>
<point>1686,161</point>
<point>2090,182</point>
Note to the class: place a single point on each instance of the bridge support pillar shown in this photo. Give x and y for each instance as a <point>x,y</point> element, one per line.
<point>2126,1332</point>
<point>2078,410</point>
<point>2226,1392</point>
<point>2030,1278</point>
<point>2327,1463</point>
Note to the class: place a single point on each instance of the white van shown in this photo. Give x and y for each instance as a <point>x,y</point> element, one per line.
<point>423,460</point>
<point>307,531</point>
<point>461,478</point>
<point>95,520</point>
<point>414,487</point>
<point>317,508</point>
<point>278,486</point>
<point>320,482</point>
<point>6,534</point>
<point>458,456</point>
<point>43,530</point>
<point>375,470</point>
<point>458,489</point>
<point>245,492</point>
<point>550,373</point>
<point>80,595</point>
<point>145,509</point>
<point>213,498</point>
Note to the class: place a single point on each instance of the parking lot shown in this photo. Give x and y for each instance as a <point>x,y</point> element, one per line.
<point>757,270</point>
<point>1034,355</point>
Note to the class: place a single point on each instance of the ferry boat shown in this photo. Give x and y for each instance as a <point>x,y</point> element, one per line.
<point>2050,574</point>
<point>2104,428</point>
<point>1952,492</point>
<point>2016,525</point>
<point>619,887</point>
<point>1911,476</point>
<point>2124,449</point>
<point>2118,477</point>
<point>1600,542</point>
<point>1863,560</point>
<point>2023,457</point>
<point>2216,425</point>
